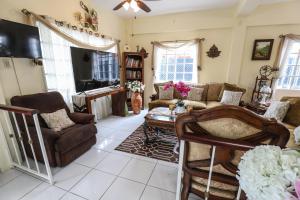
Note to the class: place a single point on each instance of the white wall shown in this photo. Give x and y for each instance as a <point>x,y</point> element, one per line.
<point>233,35</point>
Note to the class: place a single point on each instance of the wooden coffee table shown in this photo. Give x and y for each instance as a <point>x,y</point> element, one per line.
<point>161,120</point>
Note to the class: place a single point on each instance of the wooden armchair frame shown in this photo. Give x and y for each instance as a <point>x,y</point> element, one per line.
<point>222,151</point>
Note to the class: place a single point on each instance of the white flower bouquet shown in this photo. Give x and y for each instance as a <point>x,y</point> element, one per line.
<point>135,86</point>
<point>269,173</point>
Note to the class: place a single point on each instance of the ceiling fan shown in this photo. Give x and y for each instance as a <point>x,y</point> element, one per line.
<point>136,5</point>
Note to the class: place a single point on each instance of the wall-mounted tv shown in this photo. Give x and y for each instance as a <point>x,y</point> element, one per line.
<point>19,40</point>
<point>94,69</point>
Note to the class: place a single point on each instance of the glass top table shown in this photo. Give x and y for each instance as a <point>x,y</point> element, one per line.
<point>161,120</point>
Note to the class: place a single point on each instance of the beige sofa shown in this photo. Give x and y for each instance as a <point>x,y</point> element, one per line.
<point>211,96</point>
<point>292,118</point>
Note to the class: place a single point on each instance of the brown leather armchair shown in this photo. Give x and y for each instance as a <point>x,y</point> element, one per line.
<point>64,146</point>
<point>232,130</point>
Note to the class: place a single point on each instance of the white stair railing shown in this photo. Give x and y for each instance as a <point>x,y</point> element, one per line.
<point>17,139</point>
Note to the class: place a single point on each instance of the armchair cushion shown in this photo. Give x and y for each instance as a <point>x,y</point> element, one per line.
<point>73,136</point>
<point>81,118</point>
<point>57,120</point>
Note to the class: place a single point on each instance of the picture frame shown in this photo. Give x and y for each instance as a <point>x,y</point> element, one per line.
<point>262,49</point>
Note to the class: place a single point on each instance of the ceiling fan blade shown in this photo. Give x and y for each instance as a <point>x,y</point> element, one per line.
<point>119,5</point>
<point>143,6</point>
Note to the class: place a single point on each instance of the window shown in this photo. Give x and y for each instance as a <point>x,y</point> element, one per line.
<point>290,70</point>
<point>176,65</point>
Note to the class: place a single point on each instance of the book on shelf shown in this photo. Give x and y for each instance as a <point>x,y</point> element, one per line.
<point>132,63</point>
<point>133,74</point>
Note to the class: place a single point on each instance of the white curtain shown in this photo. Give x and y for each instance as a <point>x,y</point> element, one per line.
<point>192,46</point>
<point>287,47</point>
<point>57,58</point>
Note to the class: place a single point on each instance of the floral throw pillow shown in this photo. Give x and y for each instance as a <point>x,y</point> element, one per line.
<point>166,94</point>
<point>57,120</point>
<point>231,98</point>
<point>277,110</point>
<point>195,94</point>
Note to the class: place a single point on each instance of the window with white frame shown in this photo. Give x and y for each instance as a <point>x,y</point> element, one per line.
<point>178,64</point>
<point>289,77</point>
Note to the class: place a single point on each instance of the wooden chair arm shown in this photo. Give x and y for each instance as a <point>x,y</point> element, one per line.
<point>20,110</point>
<point>217,141</point>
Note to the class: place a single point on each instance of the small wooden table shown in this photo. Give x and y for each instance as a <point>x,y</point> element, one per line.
<point>161,120</point>
<point>257,108</point>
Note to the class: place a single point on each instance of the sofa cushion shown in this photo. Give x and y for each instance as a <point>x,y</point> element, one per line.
<point>277,110</point>
<point>212,104</point>
<point>165,94</point>
<point>197,105</point>
<point>156,86</point>
<point>213,92</point>
<point>162,103</point>
<point>293,115</point>
<point>230,87</point>
<point>231,98</point>
<point>195,94</point>
<point>73,136</point>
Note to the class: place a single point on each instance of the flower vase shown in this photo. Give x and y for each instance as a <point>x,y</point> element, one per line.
<point>180,108</point>
<point>136,102</point>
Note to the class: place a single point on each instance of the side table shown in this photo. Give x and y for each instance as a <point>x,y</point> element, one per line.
<point>257,108</point>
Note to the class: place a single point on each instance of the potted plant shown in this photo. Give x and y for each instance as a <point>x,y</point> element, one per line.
<point>183,89</point>
<point>136,87</point>
<point>268,172</point>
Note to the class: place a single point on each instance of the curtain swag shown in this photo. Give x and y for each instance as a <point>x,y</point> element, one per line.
<point>54,24</point>
<point>178,44</point>
<point>281,46</point>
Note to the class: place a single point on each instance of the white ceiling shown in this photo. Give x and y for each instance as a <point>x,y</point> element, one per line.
<point>174,6</point>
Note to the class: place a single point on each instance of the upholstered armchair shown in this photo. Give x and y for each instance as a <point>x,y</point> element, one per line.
<point>61,147</point>
<point>216,139</point>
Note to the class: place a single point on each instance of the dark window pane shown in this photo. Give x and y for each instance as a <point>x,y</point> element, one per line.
<point>179,68</point>
<point>170,76</point>
<point>162,77</point>
<point>188,68</point>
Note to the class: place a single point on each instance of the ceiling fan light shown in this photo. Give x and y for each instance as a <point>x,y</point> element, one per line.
<point>126,6</point>
<point>137,9</point>
<point>133,4</point>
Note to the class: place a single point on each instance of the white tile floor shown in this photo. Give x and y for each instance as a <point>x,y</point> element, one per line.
<point>101,173</point>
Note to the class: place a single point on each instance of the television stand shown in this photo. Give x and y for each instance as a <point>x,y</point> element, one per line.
<point>118,96</point>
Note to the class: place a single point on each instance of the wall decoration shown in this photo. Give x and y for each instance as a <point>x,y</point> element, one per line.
<point>213,52</point>
<point>90,18</point>
<point>262,49</point>
<point>144,52</point>
<point>265,71</point>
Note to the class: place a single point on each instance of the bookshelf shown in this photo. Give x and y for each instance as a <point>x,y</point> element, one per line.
<point>133,70</point>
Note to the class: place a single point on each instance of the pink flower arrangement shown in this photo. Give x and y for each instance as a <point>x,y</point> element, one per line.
<point>181,87</point>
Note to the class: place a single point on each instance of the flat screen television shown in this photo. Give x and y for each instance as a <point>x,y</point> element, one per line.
<point>94,69</point>
<point>19,40</point>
